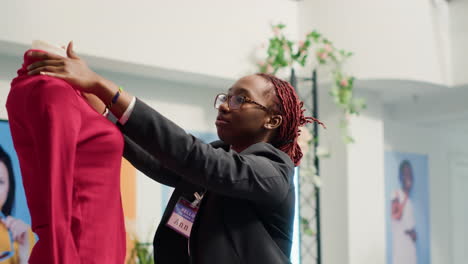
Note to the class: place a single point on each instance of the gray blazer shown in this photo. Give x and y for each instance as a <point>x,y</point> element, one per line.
<point>247,213</point>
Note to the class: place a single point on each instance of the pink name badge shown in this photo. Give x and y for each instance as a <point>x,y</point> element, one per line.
<point>182,217</point>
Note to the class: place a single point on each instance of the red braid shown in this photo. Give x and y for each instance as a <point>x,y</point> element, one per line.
<point>293,117</point>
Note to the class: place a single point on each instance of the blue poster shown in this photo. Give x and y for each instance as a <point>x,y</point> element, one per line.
<point>407,208</point>
<point>19,206</point>
<point>12,201</point>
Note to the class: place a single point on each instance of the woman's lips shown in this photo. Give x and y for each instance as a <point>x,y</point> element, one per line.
<point>221,121</point>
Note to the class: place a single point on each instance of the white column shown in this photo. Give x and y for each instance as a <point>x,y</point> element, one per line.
<point>366,205</point>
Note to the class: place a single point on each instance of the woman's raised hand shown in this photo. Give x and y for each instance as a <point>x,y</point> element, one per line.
<point>72,69</point>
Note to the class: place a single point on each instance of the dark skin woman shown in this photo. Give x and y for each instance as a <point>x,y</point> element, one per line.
<point>241,186</point>
<point>406,181</point>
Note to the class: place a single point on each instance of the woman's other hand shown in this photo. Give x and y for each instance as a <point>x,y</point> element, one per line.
<point>74,70</point>
<point>412,234</point>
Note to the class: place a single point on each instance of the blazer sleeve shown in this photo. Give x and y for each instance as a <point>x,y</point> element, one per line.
<point>261,173</point>
<point>151,167</point>
<point>57,121</point>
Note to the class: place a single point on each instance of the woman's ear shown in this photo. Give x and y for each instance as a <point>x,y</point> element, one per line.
<point>273,122</point>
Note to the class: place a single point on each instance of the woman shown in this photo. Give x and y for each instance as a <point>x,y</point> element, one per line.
<point>403,223</point>
<point>234,199</point>
<point>16,237</point>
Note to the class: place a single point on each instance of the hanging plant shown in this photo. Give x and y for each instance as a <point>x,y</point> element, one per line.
<point>283,53</point>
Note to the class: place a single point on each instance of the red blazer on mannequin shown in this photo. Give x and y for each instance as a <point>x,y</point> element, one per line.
<point>70,159</point>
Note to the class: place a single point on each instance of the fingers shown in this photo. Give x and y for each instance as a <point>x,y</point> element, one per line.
<point>56,75</point>
<point>11,225</point>
<point>43,69</point>
<point>8,221</point>
<point>46,63</point>
<point>43,56</point>
<point>17,227</point>
<point>70,52</point>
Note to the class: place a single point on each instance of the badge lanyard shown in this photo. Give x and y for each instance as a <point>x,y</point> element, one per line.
<point>184,213</point>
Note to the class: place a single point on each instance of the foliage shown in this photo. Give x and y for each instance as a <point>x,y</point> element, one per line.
<point>283,53</point>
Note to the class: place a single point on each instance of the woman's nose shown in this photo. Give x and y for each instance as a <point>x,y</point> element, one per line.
<point>224,107</point>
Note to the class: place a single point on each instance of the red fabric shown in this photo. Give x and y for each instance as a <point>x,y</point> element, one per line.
<point>70,159</point>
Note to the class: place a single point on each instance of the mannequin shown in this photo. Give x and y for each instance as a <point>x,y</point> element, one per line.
<point>70,157</point>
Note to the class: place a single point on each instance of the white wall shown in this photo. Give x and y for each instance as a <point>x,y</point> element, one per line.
<point>334,191</point>
<point>212,37</point>
<point>438,142</point>
<point>353,217</point>
<point>353,223</point>
<point>3,95</point>
<point>390,39</point>
<point>459,42</point>
<point>8,67</point>
<point>365,161</point>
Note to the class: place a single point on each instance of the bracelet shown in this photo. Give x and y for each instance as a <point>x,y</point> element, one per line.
<point>114,99</point>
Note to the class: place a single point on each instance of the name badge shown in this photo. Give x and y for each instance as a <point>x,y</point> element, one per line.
<point>183,216</point>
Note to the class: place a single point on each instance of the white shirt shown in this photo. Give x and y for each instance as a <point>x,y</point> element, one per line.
<point>404,248</point>
<point>125,116</point>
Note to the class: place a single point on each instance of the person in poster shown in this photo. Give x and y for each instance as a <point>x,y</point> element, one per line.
<point>16,237</point>
<point>402,218</point>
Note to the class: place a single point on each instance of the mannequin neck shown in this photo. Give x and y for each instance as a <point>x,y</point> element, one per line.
<point>49,48</point>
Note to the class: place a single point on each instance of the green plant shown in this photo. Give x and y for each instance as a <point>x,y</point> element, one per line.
<point>141,253</point>
<point>283,53</point>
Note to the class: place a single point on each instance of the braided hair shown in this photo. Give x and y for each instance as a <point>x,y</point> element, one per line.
<point>291,109</point>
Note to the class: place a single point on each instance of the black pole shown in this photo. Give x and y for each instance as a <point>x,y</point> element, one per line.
<point>316,163</point>
<point>293,79</point>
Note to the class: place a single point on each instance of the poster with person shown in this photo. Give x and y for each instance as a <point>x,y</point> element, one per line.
<point>407,208</point>
<point>16,237</point>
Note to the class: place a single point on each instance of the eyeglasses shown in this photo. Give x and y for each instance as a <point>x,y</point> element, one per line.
<point>6,254</point>
<point>234,101</point>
